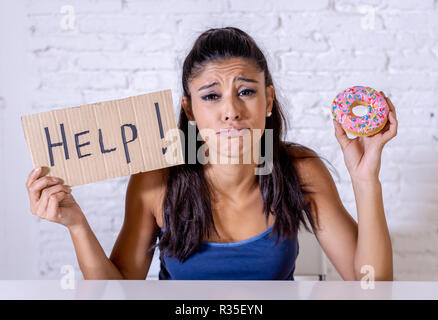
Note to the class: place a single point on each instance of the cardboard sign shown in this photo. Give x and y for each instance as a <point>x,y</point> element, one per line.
<point>105,140</point>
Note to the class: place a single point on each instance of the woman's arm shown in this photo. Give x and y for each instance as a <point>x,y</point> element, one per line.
<point>362,156</point>
<point>347,244</point>
<point>374,243</point>
<point>130,257</point>
<point>91,257</point>
<point>336,231</point>
<point>53,201</point>
<point>350,245</point>
<point>131,253</point>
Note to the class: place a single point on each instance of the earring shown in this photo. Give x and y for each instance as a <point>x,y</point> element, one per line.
<point>269,114</point>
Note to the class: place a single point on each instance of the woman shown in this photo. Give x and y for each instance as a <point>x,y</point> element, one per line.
<point>222,221</point>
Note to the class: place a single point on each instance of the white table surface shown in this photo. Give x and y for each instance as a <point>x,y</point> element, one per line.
<point>215,290</point>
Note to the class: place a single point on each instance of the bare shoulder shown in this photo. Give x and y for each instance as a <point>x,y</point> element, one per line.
<point>151,186</point>
<point>310,168</point>
<point>299,152</point>
<point>150,181</point>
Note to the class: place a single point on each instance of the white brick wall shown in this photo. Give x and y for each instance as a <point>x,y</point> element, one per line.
<point>315,49</point>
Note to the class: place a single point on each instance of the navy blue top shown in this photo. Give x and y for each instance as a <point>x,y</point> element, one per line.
<point>256,258</point>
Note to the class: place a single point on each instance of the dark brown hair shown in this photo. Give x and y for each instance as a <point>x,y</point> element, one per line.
<point>187,203</point>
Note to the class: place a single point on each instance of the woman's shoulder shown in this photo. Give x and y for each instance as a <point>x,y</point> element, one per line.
<point>307,163</point>
<point>151,180</point>
<point>299,156</point>
<point>152,186</point>
<point>298,153</point>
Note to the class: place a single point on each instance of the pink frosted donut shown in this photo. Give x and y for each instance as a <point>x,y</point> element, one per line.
<point>366,125</point>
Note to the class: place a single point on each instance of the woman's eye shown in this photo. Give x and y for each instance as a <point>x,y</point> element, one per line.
<point>213,96</point>
<point>208,97</point>
<point>250,92</point>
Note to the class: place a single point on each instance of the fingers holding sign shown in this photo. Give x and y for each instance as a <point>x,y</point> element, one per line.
<point>51,200</point>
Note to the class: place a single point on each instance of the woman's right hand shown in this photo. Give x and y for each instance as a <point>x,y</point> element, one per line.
<point>52,201</point>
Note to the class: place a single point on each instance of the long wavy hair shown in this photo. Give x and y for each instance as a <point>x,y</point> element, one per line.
<point>188,216</point>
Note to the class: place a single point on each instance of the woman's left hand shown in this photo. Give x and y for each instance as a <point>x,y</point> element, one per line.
<point>362,155</point>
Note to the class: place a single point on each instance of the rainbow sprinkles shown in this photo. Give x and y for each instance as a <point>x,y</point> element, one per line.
<point>365,125</point>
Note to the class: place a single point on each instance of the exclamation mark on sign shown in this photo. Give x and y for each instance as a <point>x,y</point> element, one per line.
<point>160,125</point>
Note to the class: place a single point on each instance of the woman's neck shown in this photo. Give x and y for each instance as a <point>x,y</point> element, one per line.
<point>231,181</point>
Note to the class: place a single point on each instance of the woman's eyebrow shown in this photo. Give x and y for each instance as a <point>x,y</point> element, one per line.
<point>236,79</point>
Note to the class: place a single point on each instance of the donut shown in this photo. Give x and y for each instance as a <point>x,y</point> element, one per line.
<point>365,125</point>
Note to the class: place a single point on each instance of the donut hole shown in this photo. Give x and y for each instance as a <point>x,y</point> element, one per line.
<point>359,108</point>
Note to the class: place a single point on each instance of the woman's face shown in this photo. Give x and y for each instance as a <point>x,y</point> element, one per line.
<point>229,93</point>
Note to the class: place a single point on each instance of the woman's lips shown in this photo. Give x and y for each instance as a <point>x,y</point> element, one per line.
<point>233,132</point>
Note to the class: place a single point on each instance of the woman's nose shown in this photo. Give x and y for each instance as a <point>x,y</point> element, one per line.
<point>231,116</point>
<point>232,111</point>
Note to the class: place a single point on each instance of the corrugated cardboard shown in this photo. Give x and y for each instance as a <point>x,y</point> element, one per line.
<point>105,140</point>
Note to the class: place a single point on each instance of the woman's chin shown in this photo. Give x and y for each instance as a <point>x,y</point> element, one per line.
<point>239,155</point>
<point>231,150</point>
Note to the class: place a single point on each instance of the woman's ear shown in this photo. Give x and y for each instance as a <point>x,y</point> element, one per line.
<point>187,108</point>
<point>270,94</point>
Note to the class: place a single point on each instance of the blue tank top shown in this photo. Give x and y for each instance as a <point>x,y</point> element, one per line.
<point>256,258</point>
